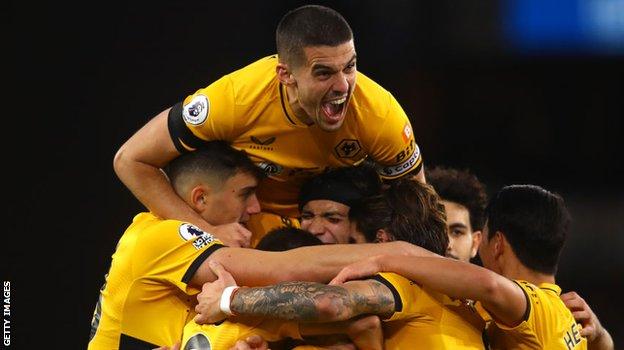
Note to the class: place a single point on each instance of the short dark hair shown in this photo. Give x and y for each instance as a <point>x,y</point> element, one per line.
<point>215,162</point>
<point>409,211</point>
<point>344,185</point>
<point>309,25</point>
<point>286,238</point>
<point>534,221</point>
<point>461,187</point>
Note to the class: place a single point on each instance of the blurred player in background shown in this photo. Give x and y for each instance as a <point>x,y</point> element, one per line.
<point>464,198</point>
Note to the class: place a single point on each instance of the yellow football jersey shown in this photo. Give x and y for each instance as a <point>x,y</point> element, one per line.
<point>548,324</point>
<point>224,335</point>
<point>262,223</point>
<point>249,108</point>
<point>424,319</point>
<point>146,300</point>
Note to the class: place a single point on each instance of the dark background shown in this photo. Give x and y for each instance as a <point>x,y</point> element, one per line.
<point>85,76</point>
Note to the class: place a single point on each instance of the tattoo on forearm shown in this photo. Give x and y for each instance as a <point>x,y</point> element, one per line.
<point>312,302</point>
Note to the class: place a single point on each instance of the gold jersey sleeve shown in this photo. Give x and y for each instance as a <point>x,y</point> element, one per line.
<point>224,335</point>
<point>250,109</point>
<point>547,324</point>
<point>424,319</point>
<point>147,300</point>
<point>387,133</point>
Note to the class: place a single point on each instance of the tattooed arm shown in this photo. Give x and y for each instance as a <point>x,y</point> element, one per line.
<point>314,302</point>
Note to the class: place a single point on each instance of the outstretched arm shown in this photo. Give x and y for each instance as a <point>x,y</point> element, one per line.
<point>298,301</point>
<point>314,302</point>
<point>503,298</point>
<point>251,267</point>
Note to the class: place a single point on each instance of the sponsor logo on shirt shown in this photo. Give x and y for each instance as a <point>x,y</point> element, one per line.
<point>196,111</point>
<point>348,148</point>
<point>200,238</point>
<point>407,132</point>
<point>264,142</point>
<point>402,168</point>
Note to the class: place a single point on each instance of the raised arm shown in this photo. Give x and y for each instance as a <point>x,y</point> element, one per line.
<point>503,298</point>
<point>138,165</point>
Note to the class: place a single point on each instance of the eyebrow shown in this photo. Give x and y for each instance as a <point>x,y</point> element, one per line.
<point>248,189</point>
<point>332,213</point>
<point>324,214</point>
<point>458,225</point>
<point>320,66</point>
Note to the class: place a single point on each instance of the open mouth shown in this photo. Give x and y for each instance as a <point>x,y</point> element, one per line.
<point>333,109</point>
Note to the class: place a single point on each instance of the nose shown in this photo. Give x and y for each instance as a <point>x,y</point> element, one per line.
<point>253,207</point>
<point>449,248</point>
<point>341,85</point>
<point>316,227</point>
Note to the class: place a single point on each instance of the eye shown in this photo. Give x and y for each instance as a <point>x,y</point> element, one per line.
<point>334,220</point>
<point>306,216</point>
<point>350,67</point>
<point>248,193</point>
<point>323,75</point>
<point>457,232</point>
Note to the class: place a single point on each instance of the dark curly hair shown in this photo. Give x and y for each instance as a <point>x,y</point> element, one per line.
<point>409,211</point>
<point>462,187</point>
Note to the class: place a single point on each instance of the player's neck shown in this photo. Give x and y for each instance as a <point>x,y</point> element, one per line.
<point>293,102</point>
<point>517,271</point>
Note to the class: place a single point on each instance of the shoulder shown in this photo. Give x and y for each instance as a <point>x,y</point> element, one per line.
<point>256,79</point>
<point>371,98</point>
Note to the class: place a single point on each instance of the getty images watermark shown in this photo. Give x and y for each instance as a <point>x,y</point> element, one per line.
<point>6,313</point>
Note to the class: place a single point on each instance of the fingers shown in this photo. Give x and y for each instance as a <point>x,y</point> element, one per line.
<point>252,342</point>
<point>221,273</point>
<point>569,296</point>
<point>199,318</point>
<point>245,236</point>
<point>233,235</point>
<point>346,274</point>
<point>241,345</point>
<point>339,279</point>
<point>582,316</point>
<point>588,331</point>
<point>255,341</point>
<point>573,301</point>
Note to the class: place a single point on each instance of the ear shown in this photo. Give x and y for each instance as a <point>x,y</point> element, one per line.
<point>383,236</point>
<point>199,195</point>
<point>498,244</point>
<point>476,242</point>
<point>284,74</point>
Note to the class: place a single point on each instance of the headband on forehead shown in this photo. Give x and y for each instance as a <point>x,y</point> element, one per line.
<point>343,192</point>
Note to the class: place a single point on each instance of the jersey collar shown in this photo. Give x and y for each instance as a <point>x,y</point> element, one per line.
<point>288,112</point>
